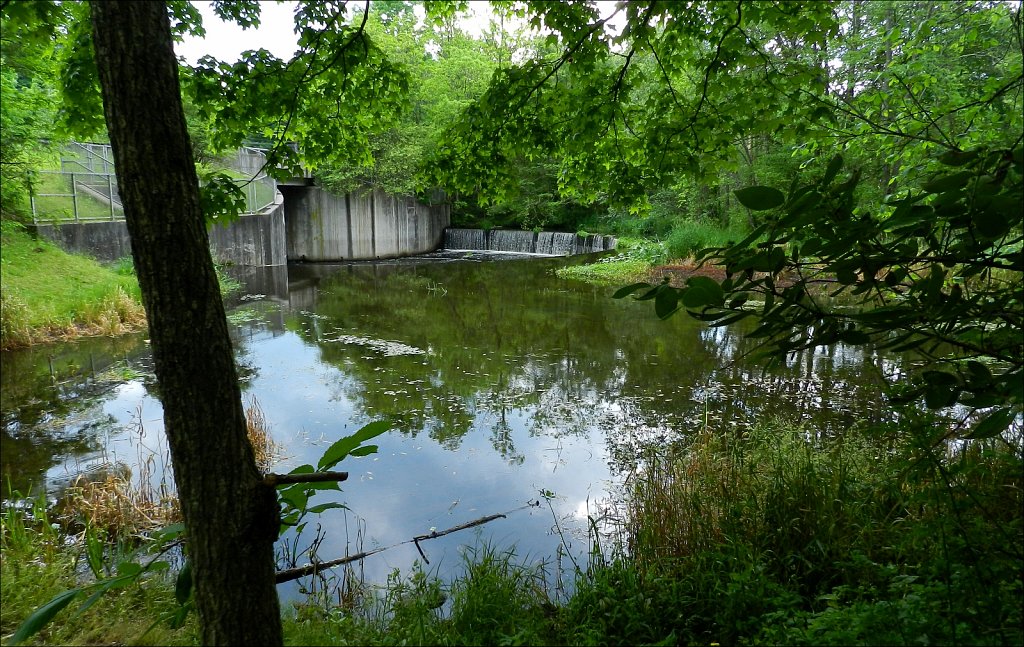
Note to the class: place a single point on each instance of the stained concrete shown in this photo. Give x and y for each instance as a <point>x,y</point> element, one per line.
<point>251,240</point>
<point>361,225</point>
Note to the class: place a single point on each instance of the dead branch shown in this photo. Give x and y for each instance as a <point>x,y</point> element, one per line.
<point>273,480</point>
<point>290,574</point>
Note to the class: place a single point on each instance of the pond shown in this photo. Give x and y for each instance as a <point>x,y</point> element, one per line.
<point>508,389</point>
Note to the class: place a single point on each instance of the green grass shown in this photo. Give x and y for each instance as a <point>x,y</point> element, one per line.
<point>48,293</point>
<point>61,208</point>
<point>38,564</point>
<point>690,236</point>
<point>617,272</point>
<point>637,256</point>
<point>785,539</point>
<point>634,258</point>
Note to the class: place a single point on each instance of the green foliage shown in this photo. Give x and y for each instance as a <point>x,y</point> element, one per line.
<point>294,498</point>
<point>786,538</point>
<point>937,271</point>
<point>689,237</point>
<point>28,79</point>
<point>130,572</point>
<point>781,536</point>
<point>287,101</point>
<point>47,292</point>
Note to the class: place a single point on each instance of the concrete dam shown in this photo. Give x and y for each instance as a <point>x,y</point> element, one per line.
<point>293,220</point>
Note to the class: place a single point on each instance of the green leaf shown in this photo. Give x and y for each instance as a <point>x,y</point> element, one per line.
<point>833,169</point>
<point>990,223</point>
<point>992,424</point>
<point>760,198</point>
<point>950,182</point>
<point>629,289</point>
<point>345,446</point>
<point>129,569</point>
<point>666,302</point>
<point>701,292</point>
<point>958,158</point>
<point>937,396</point>
<point>317,509</point>
<point>183,584</point>
<point>43,615</point>
<point>302,469</point>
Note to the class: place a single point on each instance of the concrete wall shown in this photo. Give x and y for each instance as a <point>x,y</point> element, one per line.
<point>307,223</point>
<point>255,240</point>
<point>361,225</point>
<point>106,240</point>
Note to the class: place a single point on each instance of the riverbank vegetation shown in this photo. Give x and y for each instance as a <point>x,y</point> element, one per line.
<point>49,294</point>
<point>778,536</point>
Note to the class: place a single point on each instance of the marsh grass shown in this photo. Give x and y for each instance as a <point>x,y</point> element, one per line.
<point>266,450</point>
<point>109,501</point>
<point>38,563</point>
<point>784,537</point>
<point>688,237</point>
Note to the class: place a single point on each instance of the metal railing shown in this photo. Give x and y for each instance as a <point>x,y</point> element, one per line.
<point>85,187</point>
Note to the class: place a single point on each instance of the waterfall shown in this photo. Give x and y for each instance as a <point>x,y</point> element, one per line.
<point>465,238</point>
<point>563,244</point>
<point>547,243</point>
<point>506,240</point>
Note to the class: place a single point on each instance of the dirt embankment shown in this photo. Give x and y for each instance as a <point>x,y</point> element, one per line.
<point>678,271</point>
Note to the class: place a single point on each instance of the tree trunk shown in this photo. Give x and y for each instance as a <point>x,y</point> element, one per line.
<point>230,515</point>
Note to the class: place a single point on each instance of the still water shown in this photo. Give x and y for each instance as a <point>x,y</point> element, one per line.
<point>504,385</point>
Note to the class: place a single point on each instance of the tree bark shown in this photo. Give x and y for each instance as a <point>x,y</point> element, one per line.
<point>230,515</point>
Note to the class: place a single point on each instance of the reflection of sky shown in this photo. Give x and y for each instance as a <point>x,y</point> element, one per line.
<point>413,485</point>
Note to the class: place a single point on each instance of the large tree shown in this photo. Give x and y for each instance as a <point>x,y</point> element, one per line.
<point>230,514</point>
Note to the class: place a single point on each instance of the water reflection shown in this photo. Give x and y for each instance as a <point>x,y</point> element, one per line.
<point>501,382</point>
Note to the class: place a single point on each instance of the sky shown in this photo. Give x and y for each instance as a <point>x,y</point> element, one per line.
<point>225,41</point>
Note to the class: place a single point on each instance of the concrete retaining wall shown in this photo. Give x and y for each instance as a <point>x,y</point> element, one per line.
<point>255,240</point>
<point>307,224</point>
<point>361,225</point>
<point>106,240</point>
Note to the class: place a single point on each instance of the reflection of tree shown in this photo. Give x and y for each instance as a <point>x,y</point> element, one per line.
<point>44,416</point>
<point>501,440</point>
<point>51,398</point>
<point>506,336</point>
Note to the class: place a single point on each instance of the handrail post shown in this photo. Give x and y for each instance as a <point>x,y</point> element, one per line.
<point>110,194</point>
<point>74,196</point>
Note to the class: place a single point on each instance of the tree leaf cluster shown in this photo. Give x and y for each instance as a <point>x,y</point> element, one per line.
<point>936,272</point>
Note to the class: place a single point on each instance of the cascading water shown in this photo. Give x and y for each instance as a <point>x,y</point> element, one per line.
<point>465,238</point>
<point>505,240</point>
<point>547,243</point>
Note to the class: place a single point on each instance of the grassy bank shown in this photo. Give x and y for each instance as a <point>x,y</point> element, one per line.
<point>637,257</point>
<point>779,537</point>
<point>49,294</point>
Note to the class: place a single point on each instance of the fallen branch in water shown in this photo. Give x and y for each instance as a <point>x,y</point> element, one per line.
<point>290,574</point>
<point>478,522</point>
